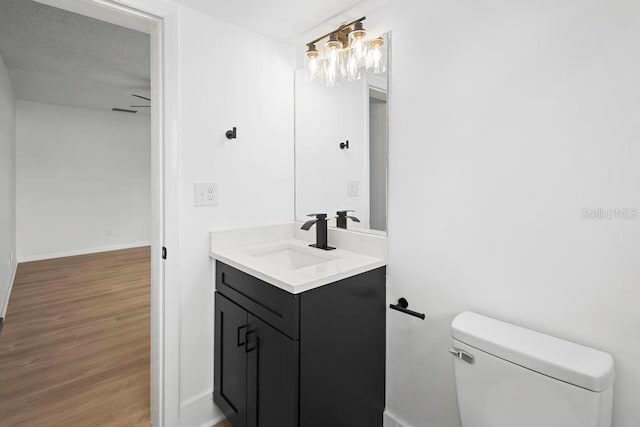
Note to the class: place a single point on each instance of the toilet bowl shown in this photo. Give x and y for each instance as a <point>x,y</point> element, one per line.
<point>509,376</point>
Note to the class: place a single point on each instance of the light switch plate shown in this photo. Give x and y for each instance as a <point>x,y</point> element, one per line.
<point>206,194</point>
<point>353,188</point>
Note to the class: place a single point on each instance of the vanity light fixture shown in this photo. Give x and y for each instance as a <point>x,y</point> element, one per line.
<point>345,55</point>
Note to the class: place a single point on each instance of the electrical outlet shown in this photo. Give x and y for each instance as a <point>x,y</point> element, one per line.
<point>206,194</point>
<point>353,188</point>
<point>109,232</point>
<point>10,257</point>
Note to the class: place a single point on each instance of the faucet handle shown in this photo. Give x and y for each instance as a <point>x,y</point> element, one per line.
<point>319,216</point>
<point>343,215</point>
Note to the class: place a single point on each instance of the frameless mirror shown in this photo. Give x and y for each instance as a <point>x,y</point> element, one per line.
<point>341,149</point>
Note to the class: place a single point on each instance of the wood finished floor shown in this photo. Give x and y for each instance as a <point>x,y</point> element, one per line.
<point>74,350</point>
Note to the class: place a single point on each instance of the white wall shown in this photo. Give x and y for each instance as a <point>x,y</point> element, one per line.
<point>228,77</point>
<point>83,180</point>
<point>507,118</point>
<point>325,117</point>
<point>7,186</point>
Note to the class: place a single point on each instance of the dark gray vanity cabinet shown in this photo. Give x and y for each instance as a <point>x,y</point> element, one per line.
<point>307,360</point>
<point>250,364</point>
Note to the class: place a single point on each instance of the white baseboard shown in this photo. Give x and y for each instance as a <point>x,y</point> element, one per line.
<point>12,278</point>
<point>52,255</point>
<point>200,411</point>
<point>214,421</point>
<point>391,420</point>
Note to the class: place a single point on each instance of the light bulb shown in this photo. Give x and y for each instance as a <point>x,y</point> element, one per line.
<point>377,56</point>
<point>312,63</point>
<point>357,41</point>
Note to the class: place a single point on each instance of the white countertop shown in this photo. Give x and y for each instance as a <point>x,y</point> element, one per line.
<point>243,249</point>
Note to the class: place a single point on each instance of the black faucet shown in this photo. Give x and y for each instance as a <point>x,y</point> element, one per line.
<point>321,231</point>
<point>341,219</point>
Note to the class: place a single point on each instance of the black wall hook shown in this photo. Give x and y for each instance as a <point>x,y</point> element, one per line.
<point>231,134</point>
<point>344,145</point>
<point>402,307</point>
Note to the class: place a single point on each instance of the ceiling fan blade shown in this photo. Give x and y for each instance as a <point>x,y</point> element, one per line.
<point>140,106</point>
<point>124,110</point>
<point>141,97</point>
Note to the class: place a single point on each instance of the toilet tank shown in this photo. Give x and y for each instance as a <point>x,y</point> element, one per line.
<point>509,376</point>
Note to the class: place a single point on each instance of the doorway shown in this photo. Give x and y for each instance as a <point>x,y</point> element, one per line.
<point>378,158</point>
<point>159,20</point>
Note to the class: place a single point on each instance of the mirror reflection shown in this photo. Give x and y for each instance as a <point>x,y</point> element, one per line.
<point>341,149</point>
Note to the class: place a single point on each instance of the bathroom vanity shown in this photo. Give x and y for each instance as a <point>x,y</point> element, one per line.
<point>299,332</point>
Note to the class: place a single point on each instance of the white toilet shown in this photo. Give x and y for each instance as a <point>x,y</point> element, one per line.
<point>508,376</point>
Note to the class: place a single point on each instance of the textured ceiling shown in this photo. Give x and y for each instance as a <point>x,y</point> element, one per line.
<point>59,57</point>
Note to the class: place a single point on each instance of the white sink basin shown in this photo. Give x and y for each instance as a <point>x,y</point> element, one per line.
<point>291,257</point>
<point>280,255</point>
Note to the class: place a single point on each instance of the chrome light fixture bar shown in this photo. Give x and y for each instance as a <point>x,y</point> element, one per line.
<point>345,55</point>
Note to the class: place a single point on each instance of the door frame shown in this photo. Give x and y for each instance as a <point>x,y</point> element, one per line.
<point>160,20</point>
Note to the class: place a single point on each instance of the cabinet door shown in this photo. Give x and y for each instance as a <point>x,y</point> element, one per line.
<point>230,360</point>
<point>272,377</point>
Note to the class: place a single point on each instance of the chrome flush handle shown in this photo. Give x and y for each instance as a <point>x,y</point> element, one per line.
<point>463,355</point>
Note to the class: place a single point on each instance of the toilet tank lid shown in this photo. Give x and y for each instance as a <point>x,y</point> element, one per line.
<point>566,361</point>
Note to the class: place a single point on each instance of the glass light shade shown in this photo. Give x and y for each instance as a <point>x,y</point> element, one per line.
<point>358,43</point>
<point>330,73</point>
<point>377,56</point>
<point>313,65</point>
<point>332,61</point>
<point>351,66</point>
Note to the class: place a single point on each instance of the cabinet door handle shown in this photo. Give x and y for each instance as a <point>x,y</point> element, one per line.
<point>242,335</point>
<point>252,343</point>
